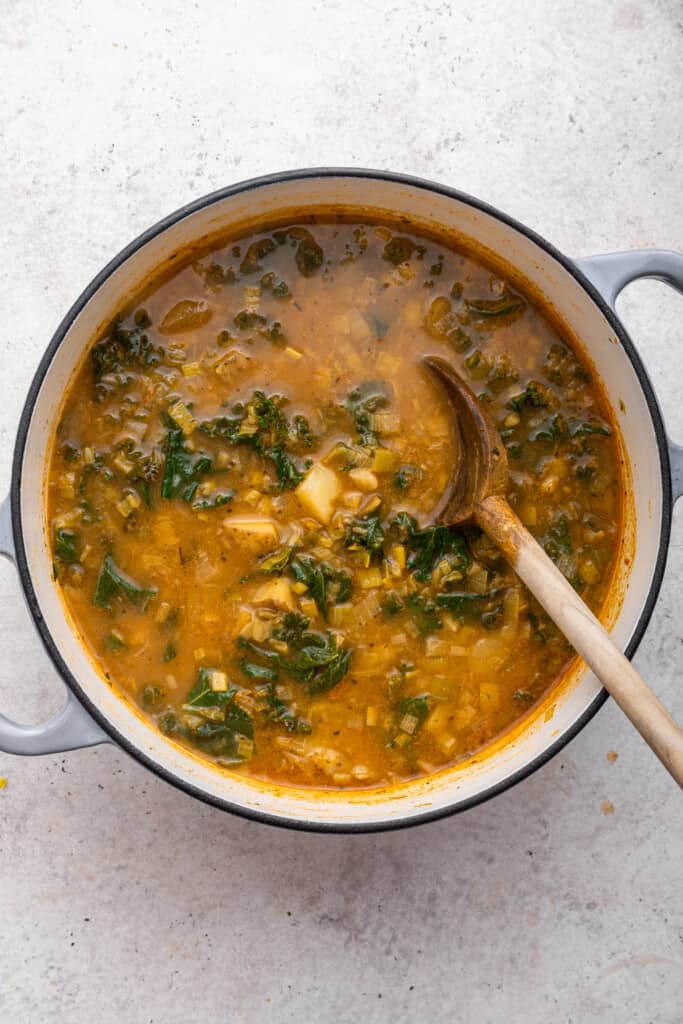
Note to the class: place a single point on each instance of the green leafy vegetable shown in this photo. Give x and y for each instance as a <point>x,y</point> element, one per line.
<point>465,602</point>
<point>557,540</point>
<point>262,425</point>
<point>365,532</point>
<point>507,305</point>
<point>152,697</point>
<point>225,721</point>
<point>183,469</point>
<point>276,563</point>
<point>392,604</point>
<point>288,475</point>
<point>405,476</point>
<point>333,673</point>
<point>313,658</point>
<point>399,249</point>
<point>126,350</point>
<point>432,546</point>
<point>442,322</point>
<point>588,427</point>
<point>113,583</point>
<point>303,432</point>
<point>217,499</point>
<point>281,712</point>
<point>272,283</point>
<point>113,642</point>
<point>325,584</point>
<point>254,671</point>
<point>363,402</point>
<point>424,613</point>
<point>417,707</point>
<point>67,544</point>
<point>535,394</point>
<point>257,251</point>
<point>309,256</point>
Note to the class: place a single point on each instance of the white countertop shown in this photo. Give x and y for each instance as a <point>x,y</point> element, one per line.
<point>122,899</point>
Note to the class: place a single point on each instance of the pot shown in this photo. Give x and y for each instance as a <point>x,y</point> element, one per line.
<point>582,292</point>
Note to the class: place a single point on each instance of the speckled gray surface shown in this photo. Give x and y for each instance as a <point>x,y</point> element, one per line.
<point>123,900</point>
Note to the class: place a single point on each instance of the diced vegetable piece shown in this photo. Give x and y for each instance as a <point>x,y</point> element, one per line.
<point>319,492</point>
<point>218,681</point>
<point>259,534</point>
<point>363,479</point>
<point>128,504</point>
<point>384,460</point>
<point>183,417</point>
<point>277,593</point>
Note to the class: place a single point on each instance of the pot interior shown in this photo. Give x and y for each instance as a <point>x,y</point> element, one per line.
<point>525,261</point>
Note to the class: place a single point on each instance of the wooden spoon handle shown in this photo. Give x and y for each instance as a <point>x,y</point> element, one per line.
<point>582,629</point>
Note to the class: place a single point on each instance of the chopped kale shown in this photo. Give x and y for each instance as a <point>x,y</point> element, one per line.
<point>256,252</point>
<point>399,249</point>
<point>554,430</point>
<point>113,642</point>
<point>424,613</point>
<point>152,697</point>
<point>293,628</point>
<point>288,475</point>
<point>170,652</point>
<point>443,322</point>
<point>276,563</point>
<point>303,432</point>
<point>507,305</point>
<point>255,671</point>
<point>281,712</point>
<point>363,402</point>
<point>416,707</point>
<point>405,476</point>
<point>272,283</point>
<point>325,584</point>
<point>214,500</point>
<point>535,394</point>
<point>183,469</point>
<point>70,452</point>
<point>587,427</point>
<point>365,532</point>
<point>67,543</point>
<point>112,583</point>
<point>465,603</point>
<point>225,722</point>
<point>392,604</point>
<point>262,425</point>
<point>431,546</point>
<point>246,319</point>
<point>124,351</point>
<point>309,256</point>
<point>557,540</point>
<point>313,658</point>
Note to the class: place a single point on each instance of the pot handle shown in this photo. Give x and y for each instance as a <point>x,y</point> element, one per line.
<point>72,727</point>
<point>609,273</point>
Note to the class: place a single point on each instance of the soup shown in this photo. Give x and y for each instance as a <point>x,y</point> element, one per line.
<point>242,492</point>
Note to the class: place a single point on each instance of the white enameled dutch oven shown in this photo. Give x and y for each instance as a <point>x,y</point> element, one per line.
<point>582,292</point>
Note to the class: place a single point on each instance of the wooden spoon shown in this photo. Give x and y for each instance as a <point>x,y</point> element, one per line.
<point>477,494</point>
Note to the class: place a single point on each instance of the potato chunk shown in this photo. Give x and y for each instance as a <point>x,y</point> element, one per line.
<point>319,492</point>
<point>254,532</point>
<point>275,594</point>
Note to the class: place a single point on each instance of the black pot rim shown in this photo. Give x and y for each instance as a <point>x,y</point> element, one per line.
<point>41,372</point>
